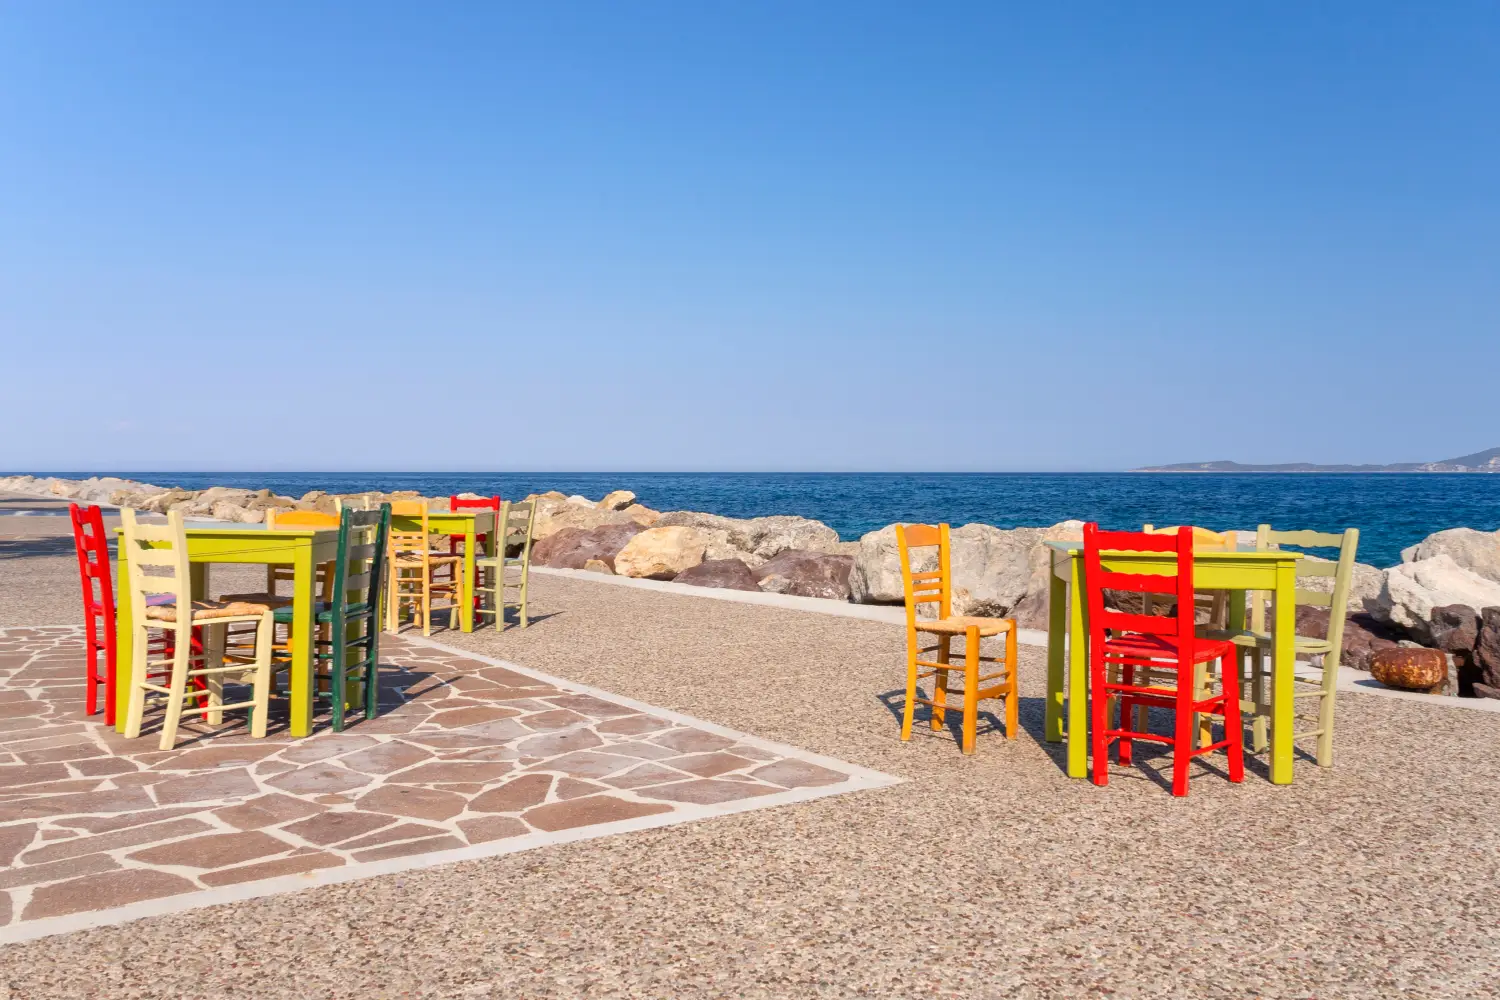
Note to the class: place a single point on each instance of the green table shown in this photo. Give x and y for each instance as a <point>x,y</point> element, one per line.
<point>302,549</point>
<point>1237,572</point>
<point>469,523</point>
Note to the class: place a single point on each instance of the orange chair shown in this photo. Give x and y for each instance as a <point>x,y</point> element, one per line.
<point>414,566</point>
<point>936,587</point>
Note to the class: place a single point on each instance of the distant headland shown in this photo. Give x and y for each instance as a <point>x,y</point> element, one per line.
<point>1483,461</point>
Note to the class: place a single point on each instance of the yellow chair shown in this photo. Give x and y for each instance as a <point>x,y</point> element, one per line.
<point>414,567</point>
<point>936,587</point>
<point>163,550</point>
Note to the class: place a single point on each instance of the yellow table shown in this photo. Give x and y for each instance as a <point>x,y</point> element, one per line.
<point>1237,572</point>
<point>468,523</point>
<point>302,549</point>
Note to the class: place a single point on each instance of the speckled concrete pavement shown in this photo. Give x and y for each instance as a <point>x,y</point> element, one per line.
<point>990,876</point>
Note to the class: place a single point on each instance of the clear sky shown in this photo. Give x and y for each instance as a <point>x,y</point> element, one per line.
<point>765,236</point>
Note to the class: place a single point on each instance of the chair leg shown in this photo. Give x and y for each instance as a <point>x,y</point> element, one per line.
<point>525,577</point>
<point>1182,744</point>
<point>214,640</point>
<point>1099,719</point>
<point>1234,730</point>
<point>909,710</point>
<point>1258,738</point>
<point>392,599</point>
<point>1013,688</point>
<point>1325,713</point>
<point>940,683</point>
<point>1203,723</point>
<point>260,712</point>
<point>1125,749</point>
<point>136,708</point>
<point>181,661</point>
<point>426,601</point>
<point>971,688</point>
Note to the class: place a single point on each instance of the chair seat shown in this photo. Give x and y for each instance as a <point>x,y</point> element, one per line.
<point>203,610</point>
<point>269,600</point>
<point>959,624</point>
<point>414,560</point>
<point>1161,647</point>
<point>1251,640</point>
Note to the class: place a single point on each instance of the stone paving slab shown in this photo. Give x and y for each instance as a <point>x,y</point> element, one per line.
<point>470,757</point>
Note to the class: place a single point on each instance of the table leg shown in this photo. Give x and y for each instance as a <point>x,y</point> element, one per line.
<point>1283,667</point>
<point>300,684</point>
<point>1235,623</point>
<point>124,634</point>
<point>1057,631</point>
<point>466,588</point>
<point>1078,672</point>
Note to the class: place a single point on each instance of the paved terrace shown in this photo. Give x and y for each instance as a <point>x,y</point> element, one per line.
<point>974,877</point>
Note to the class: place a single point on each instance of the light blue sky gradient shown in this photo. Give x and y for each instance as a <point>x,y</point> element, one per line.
<point>828,236</point>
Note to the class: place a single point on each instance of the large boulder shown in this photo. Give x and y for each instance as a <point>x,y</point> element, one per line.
<point>727,574</point>
<point>806,574</point>
<point>759,538</point>
<point>1411,590</point>
<point>553,515</point>
<point>616,500</point>
<point>1476,551</point>
<point>661,553</point>
<point>1364,636</point>
<point>203,504</point>
<point>226,510</point>
<point>1364,584</point>
<point>996,571</point>
<point>163,502</point>
<point>1487,649</point>
<point>572,548</point>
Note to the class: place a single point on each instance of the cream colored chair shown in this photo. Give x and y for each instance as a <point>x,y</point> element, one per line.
<point>414,567</point>
<point>158,559</point>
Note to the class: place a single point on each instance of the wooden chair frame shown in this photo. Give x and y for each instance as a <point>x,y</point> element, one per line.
<point>412,563</point>
<point>936,587</point>
<point>514,525</point>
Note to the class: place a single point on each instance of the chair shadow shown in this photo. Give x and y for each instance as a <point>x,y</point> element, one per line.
<point>41,545</point>
<point>512,621</point>
<point>1030,712</point>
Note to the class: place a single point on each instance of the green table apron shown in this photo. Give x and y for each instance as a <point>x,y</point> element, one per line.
<point>302,549</point>
<point>468,523</point>
<point>1237,572</point>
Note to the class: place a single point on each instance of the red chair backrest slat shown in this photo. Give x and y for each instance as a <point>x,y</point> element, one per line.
<point>1180,585</point>
<point>473,503</point>
<point>92,546</point>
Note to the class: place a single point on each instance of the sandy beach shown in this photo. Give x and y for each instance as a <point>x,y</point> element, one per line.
<point>986,876</point>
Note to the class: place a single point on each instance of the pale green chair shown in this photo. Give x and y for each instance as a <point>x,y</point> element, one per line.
<point>1258,639</point>
<point>498,572</point>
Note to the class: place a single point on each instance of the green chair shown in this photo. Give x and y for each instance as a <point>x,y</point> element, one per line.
<point>347,625</point>
<point>1258,639</point>
<point>513,526</point>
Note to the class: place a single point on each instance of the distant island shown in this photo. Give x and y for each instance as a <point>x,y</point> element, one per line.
<point>1483,461</point>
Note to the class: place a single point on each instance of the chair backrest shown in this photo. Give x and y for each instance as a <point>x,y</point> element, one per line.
<point>930,586</point>
<point>474,503</point>
<point>290,520</point>
<point>92,546</point>
<point>357,573</point>
<point>1342,571</point>
<point>514,524</point>
<point>1178,585</point>
<point>1203,538</point>
<point>162,548</point>
<point>412,540</point>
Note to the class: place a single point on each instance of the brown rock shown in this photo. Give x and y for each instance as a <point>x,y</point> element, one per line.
<point>418,803</point>
<point>726,574</point>
<point>319,779</point>
<point>1487,648</point>
<point>1364,636</point>
<point>488,828</point>
<point>426,846</point>
<point>706,791</point>
<point>99,892</point>
<point>796,774</point>
<point>806,574</point>
<point>267,810</point>
<point>217,850</point>
<point>1410,669</point>
<point>333,827</point>
<point>589,811</point>
<point>515,795</point>
<point>228,784</point>
<point>294,865</point>
<point>572,548</point>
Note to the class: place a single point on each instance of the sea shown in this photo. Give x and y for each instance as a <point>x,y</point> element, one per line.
<point>1391,510</point>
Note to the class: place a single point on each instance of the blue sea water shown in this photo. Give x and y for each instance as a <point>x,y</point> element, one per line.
<point>1391,510</point>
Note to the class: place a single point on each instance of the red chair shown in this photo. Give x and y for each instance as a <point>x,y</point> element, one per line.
<point>92,546</point>
<point>468,503</point>
<point>1166,647</point>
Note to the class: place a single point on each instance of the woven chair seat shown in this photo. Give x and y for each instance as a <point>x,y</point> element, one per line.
<point>272,601</point>
<point>414,560</point>
<point>959,624</point>
<point>203,610</point>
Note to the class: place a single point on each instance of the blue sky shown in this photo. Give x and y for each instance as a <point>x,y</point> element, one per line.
<point>660,236</point>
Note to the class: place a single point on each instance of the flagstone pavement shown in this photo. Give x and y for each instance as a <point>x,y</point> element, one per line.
<point>468,757</point>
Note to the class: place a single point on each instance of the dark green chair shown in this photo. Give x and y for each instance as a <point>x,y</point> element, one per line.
<point>347,627</point>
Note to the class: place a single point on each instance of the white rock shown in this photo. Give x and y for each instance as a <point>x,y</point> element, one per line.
<point>661,553</point>
<point>225,510</point>
<point>580,500</point>
<point>759,538</point>
<point>1411,590</point>
<point>1476,551</point>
